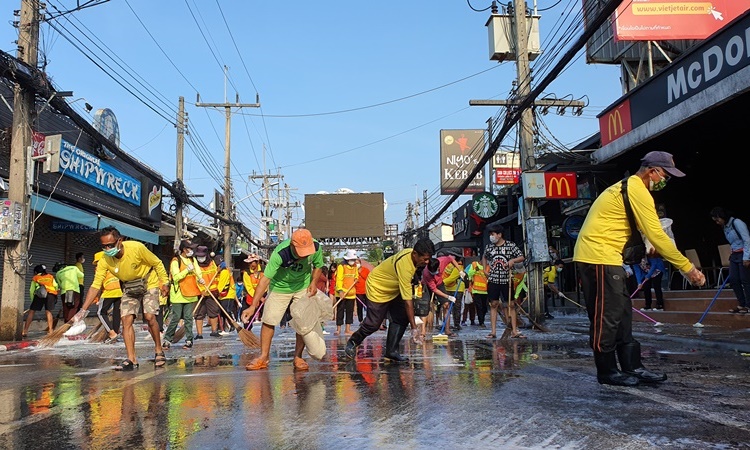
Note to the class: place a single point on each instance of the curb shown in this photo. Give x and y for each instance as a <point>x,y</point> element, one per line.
<point>17,345</point>
<point>740,347</point>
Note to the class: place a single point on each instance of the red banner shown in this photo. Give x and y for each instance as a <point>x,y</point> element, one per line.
<point>653,20</point>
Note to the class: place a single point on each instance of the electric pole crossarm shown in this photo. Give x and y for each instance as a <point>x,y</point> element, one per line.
<point>538,102</point>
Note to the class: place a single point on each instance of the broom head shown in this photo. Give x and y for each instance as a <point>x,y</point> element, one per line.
<point>248,338</point>
<point>178,334</point>
<point>99,336</point>
<point>54,337</point>
<point>93,330</point>
<point>440,337</point>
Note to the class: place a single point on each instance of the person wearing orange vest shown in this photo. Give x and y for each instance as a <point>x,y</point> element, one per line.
<point>478,288</point>
<point>251,278</point>
<point>208,306</point>
<point>346,279</point>
<point>43,292</point>
<point>111,295</point>
<point>184,292</point>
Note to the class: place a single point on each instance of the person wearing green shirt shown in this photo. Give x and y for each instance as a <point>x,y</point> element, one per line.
<point>287,277</point>
<point>70,291</point>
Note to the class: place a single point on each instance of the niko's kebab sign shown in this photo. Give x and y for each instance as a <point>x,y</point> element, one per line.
<point>460,152</point>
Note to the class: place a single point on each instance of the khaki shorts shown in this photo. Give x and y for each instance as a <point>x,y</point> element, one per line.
<point>276,305</point>
<point>132,305</point>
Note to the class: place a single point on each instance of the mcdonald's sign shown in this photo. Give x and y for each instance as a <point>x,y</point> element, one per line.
<point>615,122</point>
<point>559,185</point>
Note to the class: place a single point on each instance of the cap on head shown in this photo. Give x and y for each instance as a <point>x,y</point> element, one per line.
<point>664,160</point>
<point>302,241</point>
<point>201,251</point>
<point>97,256</point>
<point>252,257</point>
<point>185,243</point>
<point>40,268</point>
<point>350,255</point>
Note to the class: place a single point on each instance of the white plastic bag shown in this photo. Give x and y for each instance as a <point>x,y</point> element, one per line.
<point>314,343</point>
<point>468,299</point>
<point>307,312</point>
<point>76,329</point>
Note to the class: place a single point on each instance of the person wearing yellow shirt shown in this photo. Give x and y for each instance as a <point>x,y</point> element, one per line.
<point>227,299</point>
<point>390,293</point>
<point>209,293</point>
<point>111,296</point>
<point>453,279</point>
<point>478,288</point>
<point>551,287</point>
<point>250,278</point>
<point>142,274</point>
<point>346,279</point>
<point>598,255</point>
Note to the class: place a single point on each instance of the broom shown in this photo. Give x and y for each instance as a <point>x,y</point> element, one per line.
<point>93,330</point>
<point>54,337</point>
<point>442,336</point>
<point>100,335</point>
<point>246,336</point>
<point>341,298</point>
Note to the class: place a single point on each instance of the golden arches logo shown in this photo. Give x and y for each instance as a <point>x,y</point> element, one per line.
<point>613,121</point>
<point>559,182</point>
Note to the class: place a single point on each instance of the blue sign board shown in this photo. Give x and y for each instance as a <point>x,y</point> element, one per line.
<point>87,168</point>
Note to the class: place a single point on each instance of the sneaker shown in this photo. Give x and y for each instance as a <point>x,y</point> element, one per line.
<point>224,333</point>
<point>199,336</point>
<point>463,324</point>
<point>215,334</point>
<point>188,344</point>
<point>658,309</point>
<point>325,332</point>
<point>166,344</point>
<point>351,350</point>
<point>645,309</point>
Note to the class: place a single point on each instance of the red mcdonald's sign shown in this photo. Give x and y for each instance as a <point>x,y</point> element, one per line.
<point>560,185</point>
<point>615,122</point>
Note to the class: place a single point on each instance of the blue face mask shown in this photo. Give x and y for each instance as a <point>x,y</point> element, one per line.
<point>434,273</point>
<point>112,251</point>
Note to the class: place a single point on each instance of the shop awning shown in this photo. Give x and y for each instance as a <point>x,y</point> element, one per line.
<point>60,210</point>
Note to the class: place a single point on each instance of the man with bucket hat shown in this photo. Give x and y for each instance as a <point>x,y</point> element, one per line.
<point>599,255</point>
<point>346,280</point>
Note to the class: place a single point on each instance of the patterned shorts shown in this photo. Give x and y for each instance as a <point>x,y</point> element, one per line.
<point>132,305</point>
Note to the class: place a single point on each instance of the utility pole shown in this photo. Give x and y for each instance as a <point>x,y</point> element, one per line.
<point>526,143</point>
<point>289,207</point>
<point>16,256</point>
<point>178,225</point>
<point>266,218</point>
<point>227,161</point>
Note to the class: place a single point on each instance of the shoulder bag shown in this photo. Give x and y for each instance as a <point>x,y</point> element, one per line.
<point>635,249</point>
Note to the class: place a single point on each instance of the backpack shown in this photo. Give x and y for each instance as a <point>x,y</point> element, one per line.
<point>41,291</point>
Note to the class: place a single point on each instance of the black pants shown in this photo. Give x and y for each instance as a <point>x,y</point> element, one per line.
<point>103,313</point>
<point>360,308</point>
<point>394,310</point>
<point>480,301</point>
<point>608,305</point>
<point>345,312</point>
<point>654,282</point>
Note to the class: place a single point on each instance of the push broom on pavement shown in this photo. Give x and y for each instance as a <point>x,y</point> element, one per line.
<point>698,324</point>
<point>442,337</point>
<point>246,336</point>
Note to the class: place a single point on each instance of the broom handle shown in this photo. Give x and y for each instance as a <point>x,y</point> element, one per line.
<point>218,302</point>
<point>342,298</point>
<point>207,287</point>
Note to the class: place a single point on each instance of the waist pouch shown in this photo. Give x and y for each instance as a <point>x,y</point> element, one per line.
<point>135,288</point>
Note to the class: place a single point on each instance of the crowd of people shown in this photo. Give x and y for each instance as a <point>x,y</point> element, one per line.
<point>131,280</point>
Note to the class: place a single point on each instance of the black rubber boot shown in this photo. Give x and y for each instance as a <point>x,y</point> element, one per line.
<point>630,361</point>
<point>392,341</point>
<point>607,372</point>
<point>351,350</point>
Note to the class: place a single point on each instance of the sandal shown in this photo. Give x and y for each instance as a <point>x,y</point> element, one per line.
<point>518,336</point>
<point>257,364</point>
<point>491,336</point>
<point>127,366</point>
<point>160,360</point>
<point>300,364</point>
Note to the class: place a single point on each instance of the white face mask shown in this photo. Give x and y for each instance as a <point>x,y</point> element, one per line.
<point>351,262</point>
<point>189,253</point>
<point>494,239</point>
<point>359,265</point>
<point>201,259</point>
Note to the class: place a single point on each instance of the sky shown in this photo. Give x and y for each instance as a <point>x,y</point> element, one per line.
<point>352,95</point>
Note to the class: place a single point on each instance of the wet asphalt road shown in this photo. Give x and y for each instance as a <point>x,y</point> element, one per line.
<point>468,392</point>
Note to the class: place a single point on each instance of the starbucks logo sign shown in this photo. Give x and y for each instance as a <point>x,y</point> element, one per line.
<point>484,205</point>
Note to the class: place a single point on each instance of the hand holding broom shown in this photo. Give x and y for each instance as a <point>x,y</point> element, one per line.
<point>54,337</point>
